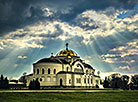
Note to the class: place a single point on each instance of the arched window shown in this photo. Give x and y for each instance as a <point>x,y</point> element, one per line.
<point>88,80</point>
<point>40,79</point>
<point>67,69</point>
<point>48,71</point>
<point>54,71</point>
<point>91,81</point>
<point>85,80</point>
<point>37,71</point>
<point>43,71</point>
<point>86,71</point>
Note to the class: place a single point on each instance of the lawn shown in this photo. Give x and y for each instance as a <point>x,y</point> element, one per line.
<point>115,96</point>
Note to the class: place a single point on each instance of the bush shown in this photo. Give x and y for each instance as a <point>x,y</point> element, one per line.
<point>34,85</point>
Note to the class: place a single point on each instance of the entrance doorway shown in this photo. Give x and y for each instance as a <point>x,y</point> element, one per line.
<point>61,82</point>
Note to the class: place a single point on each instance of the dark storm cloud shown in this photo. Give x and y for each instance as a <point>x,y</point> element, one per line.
<point>18,13</point>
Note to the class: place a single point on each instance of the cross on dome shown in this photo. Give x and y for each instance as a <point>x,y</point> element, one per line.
<point>67,46</point>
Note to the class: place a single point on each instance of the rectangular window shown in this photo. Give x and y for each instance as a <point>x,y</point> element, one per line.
<point>78,80</point>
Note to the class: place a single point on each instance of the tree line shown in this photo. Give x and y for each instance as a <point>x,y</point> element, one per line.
<point>121,81</point>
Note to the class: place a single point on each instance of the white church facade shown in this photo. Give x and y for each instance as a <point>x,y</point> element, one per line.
<point>66,69</point>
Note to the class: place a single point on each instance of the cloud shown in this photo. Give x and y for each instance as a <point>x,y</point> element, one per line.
<point>87,27</point>
<point>123,68</point>
<point>22,57</point>
<point>11,43</point>
<point>47,12</point>
<point>16,65</point>
<point>123,55</point>
<point>104,24</point>
<point>34,27</point>
<point>19,13</point>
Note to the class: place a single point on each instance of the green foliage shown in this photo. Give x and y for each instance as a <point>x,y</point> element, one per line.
<point>106,83</point>
<point>4,82</point>
<point>2,77</point>
<point>134,82</point>
<point>116,81</point>
<point>23,78</point>
<point>34,85</point>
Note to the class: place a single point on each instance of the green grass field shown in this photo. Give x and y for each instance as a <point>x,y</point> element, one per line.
<point>115,96</point>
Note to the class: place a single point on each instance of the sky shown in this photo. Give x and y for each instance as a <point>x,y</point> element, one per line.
<point>102,32</point>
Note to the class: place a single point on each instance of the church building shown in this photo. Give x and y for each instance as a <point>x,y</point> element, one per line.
<point>66,69</point>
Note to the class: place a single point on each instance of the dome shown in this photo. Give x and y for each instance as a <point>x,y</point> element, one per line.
<point>66,52</point>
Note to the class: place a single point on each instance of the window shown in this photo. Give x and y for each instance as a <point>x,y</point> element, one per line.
<point>48,78</point>
<point>41,79</point>
<point>86,71</point>
<point>85,80</point>
<point>54,78</point>
<point>92,73</point>
<point>43,71</point>
<point>69,81</point>
<point>88,80</point>
<point>97,82</point>
<point>78,80</point>
<point>37,71</point>
<point>67,69</point>
<point>48,71</point>
<point>91,81</point>
<point>54,71</point>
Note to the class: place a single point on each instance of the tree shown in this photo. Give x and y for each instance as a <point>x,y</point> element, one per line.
<point>24,74</point>
<point>98,73</point>
<point>4,83</point>
<point>23,78</point>
<point>115,80</point>
<point>37,84</point>
<point>2,77</point>
<point>125,80</point>
<point>106,83</point>
<point>134,82</point>
<point>34,85</point>
<point>97,86</point>
<point>30,85</point>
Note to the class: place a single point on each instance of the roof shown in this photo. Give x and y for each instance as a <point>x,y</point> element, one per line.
<point>30,75</point>
<point>21,83</point>
<point>64,61</point>
<point>52,60</point>
<point>63,72</point>
<point>87,66</point>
